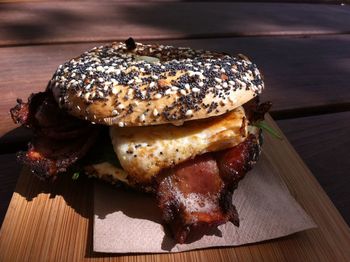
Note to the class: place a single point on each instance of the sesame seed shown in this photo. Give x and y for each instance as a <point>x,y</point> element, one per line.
<point>196,90</point>
<point>218,86</point>
<point>201,84</point>
<point>121,106</point>
<point>155,112</point>
<point>183,92</point>
<point>189,112</point>
<point>231,82</point>
<point>100,69</point>
<point>142,118</point>
<point>110,70</point>
<point>218,80</point>
<point>232,99</point>
<point>114,91</point>
<point>224,85</point>
<point>157,96</point>
<point>174,88</point>
<point>152,84</point>
<point>241,83</point>
<point>115,112</point>
<point>121,124</point>
<point>187,86</point>
<point>155,77</point>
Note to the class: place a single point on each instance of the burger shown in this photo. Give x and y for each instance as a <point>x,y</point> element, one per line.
<point>178,123</point>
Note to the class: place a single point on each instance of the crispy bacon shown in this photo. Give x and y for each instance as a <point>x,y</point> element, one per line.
<point>59,139</point>
<point>190,195</point>
<point>235,162</point>
<point>196,195</point>
<point>255,110</point>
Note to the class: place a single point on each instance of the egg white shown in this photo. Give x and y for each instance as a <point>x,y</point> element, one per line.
<point>144,151</point>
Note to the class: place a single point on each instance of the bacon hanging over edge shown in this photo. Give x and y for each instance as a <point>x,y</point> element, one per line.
<point>60,140</point>
<point>196,196</point>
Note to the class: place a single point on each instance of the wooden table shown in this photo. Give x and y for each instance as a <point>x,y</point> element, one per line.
<point>304,52</point>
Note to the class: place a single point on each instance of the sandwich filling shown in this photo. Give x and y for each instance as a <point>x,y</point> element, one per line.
<point>192,169</point>
<point>144,151</point>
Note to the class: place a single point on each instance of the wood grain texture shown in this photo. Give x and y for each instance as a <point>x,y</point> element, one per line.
<point>62,22</point>
<point>299,72</point>
<point>323,142</point>
<point>52,222</point>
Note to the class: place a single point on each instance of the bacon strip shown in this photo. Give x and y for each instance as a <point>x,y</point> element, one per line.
<point>196,195</point>
<point>59,139</point>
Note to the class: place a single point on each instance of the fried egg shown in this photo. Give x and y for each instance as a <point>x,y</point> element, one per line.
<point>144,151</point>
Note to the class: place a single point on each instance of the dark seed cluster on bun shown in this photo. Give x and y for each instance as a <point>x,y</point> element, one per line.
<point>131,84</point>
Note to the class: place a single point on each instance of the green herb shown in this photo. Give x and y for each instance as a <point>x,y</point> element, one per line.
<point>75,176</point>
<point>267,128</point>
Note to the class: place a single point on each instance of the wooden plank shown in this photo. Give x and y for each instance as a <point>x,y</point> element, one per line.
<point>323,142</point>
<point>62,22</point>
<point>9,173</point>
<point>300,73</point>
<point>53,222</point>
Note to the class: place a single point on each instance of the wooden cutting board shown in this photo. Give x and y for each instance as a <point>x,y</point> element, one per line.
<point>53,222</point>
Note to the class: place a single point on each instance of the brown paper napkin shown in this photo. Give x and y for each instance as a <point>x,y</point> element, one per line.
<point>129,222</point>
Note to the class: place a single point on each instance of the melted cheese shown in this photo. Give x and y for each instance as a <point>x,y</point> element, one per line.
<point>144,151</point>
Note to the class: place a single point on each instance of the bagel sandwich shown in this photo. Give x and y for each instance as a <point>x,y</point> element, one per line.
<point>174,122</point>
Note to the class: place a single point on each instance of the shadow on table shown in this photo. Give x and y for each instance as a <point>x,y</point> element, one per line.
<point>46,22</point>
<point>15,140</point>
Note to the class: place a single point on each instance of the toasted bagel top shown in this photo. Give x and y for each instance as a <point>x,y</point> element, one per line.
<point>131,84</point>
